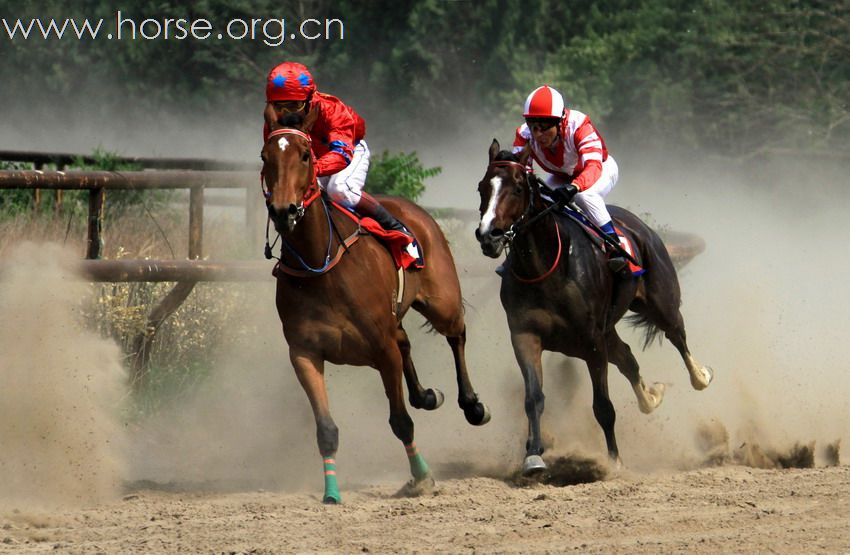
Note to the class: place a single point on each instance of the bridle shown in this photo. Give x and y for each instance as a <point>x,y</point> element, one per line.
<point>312,193</point>
<point>313,190</point>
<point>526,220</point>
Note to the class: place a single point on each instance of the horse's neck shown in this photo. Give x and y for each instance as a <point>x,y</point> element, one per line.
<point>536,250</point>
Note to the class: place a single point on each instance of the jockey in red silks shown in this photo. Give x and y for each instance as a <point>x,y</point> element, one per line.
<point>566,145</point>
<point>342,155</point>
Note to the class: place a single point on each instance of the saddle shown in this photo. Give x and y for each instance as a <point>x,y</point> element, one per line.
<point>596,238</point>
<point>405,252</point>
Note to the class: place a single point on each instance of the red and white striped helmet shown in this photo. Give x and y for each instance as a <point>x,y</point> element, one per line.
<point>544,102</point>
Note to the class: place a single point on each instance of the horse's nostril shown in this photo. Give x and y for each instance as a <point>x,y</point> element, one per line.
<point>293,209</point>
<point>496,233</point>
<point>477,233</point>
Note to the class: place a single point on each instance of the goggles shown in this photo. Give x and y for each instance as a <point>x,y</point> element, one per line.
<point>289,106</point>
<point>541,124</point>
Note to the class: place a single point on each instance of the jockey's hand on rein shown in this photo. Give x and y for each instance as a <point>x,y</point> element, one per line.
<point>564,195</point>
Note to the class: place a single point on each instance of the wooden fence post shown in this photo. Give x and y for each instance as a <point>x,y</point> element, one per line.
<point>196,222</point>
<point>95,242</point>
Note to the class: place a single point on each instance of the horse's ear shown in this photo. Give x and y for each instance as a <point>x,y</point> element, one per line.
<point>523,156</point>
<point>310,118</point>
<point>494,149</point>
<point>271,117</point>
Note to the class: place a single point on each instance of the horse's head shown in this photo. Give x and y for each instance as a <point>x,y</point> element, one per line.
<point>288,174</point>
<point>507,195</point>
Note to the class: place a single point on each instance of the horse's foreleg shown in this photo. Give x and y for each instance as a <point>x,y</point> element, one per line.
<point>603,409</point>
<point>621,355</point>
<point>528,350</point>
<point>420,398</point>
<point>475,411</point>
<point>400,421</point>
<point>310,371</point>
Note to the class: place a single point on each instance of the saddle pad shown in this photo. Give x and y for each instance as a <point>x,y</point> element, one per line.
<point>405,252</point>
<point>625,242</point>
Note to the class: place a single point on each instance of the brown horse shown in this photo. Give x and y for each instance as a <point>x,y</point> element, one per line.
<point>341,299</point>
<point>559,294</point>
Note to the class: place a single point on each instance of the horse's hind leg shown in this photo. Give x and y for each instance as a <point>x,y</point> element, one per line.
<point>621,355</point>
<point>700,375</point>
<point>400,421</point>
<point>420,398</point>
<point>475,411</point>
<point>311,374</point>
<point>447,319</point>
<point>664,313</point>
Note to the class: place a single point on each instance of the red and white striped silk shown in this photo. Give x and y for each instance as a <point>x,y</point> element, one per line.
<point>577,156</point>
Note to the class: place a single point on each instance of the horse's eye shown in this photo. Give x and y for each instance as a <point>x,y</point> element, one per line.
<point>305,157</point>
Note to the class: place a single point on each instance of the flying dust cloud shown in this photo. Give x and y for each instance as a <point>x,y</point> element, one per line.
<point>61,388</point>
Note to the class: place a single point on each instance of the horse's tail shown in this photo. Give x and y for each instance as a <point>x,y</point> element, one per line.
<point>650,330</point>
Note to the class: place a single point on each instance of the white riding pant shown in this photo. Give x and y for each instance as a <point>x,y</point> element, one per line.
<point>345,186</point>
<point>592,199</point>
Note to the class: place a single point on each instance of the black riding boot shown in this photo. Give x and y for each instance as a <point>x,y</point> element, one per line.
<point>616,262</point>
<point>371,208</point>
<point>387,220</point>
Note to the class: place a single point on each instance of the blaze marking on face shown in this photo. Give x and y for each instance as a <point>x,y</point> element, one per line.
<point>282,143</point>
<point>490,214</point>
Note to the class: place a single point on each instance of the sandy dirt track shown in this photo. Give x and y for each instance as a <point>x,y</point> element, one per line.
<point>726,509</point>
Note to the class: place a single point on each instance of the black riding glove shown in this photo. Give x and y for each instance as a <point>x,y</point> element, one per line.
<point>564,195</point>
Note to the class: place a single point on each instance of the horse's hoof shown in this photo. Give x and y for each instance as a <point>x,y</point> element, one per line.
<point>704,379</point>
<point>416,488</point>
<point>477,414</point>
<point>332,500</point>
<point>532,465</point>
<point>616,463</point>
<point>653,397</point>
<point>434,399</point>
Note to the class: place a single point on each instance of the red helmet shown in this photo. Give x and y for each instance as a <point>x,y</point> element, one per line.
<point>289,81</point>
<point>544,102</point>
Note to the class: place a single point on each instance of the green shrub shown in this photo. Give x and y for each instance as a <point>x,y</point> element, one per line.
<point>399,174</point>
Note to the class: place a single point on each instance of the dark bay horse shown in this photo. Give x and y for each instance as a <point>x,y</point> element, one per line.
<point>559,295</point>
<point>341,299</point>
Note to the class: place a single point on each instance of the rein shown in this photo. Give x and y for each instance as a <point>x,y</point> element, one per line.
<point>306,270</point>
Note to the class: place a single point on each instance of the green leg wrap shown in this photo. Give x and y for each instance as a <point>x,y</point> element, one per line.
<point>418,466</point>
<point>332,496</point>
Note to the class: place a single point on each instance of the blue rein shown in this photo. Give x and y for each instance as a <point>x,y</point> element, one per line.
<point>293,252</point>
